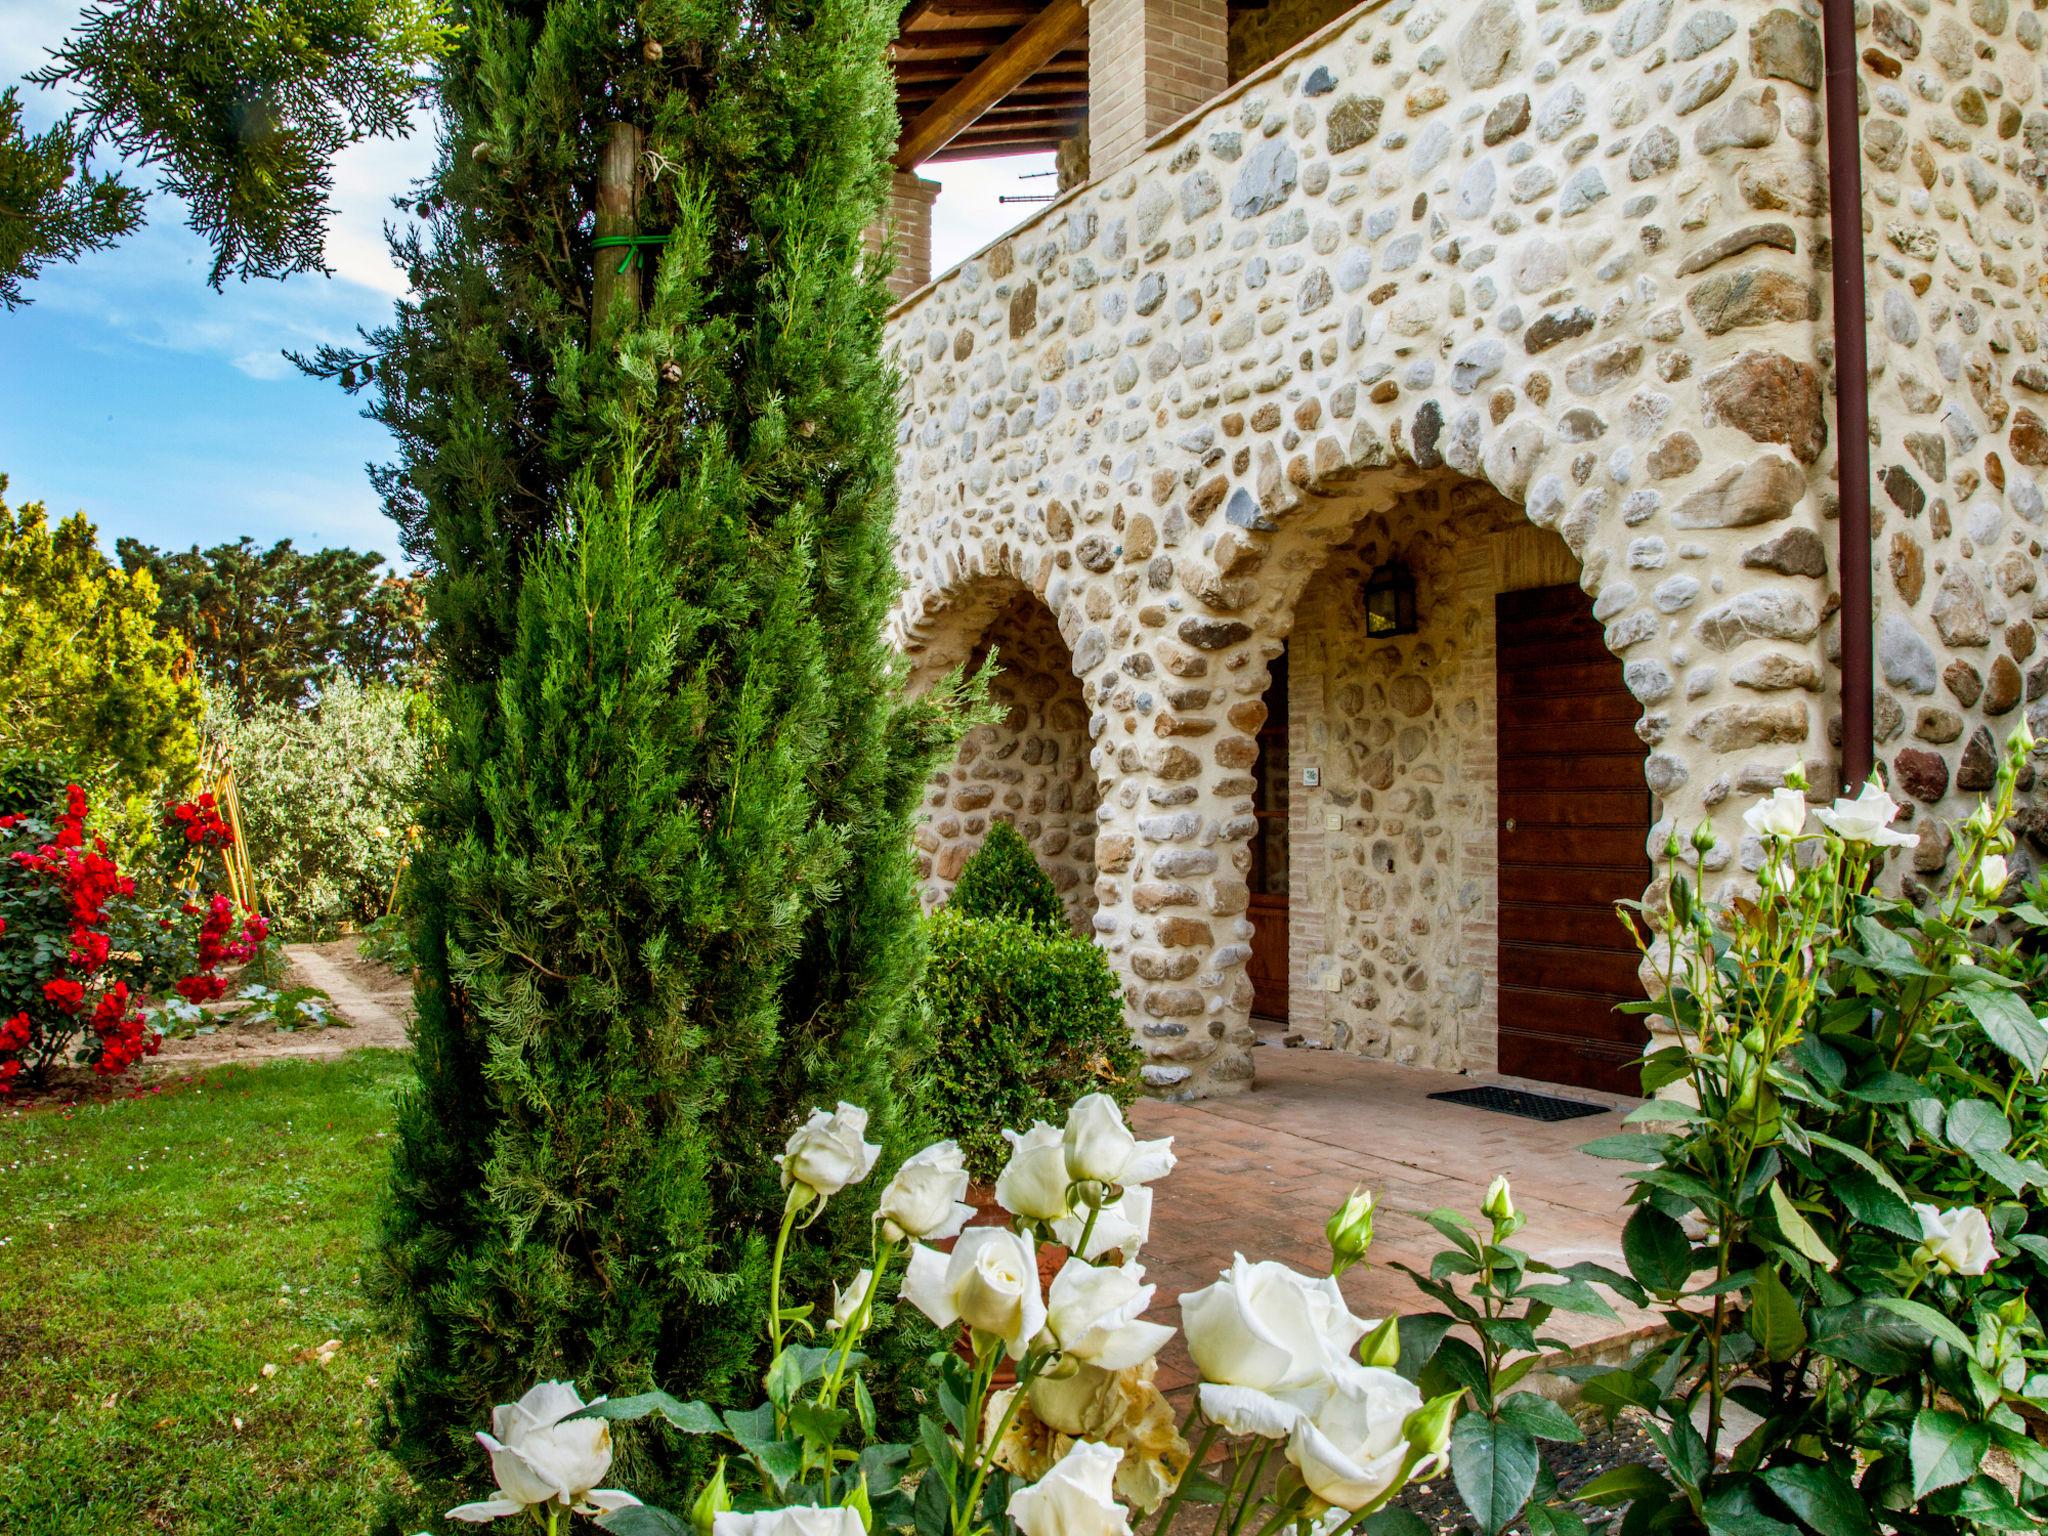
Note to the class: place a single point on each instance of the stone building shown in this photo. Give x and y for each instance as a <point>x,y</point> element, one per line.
<point>1522,306</point>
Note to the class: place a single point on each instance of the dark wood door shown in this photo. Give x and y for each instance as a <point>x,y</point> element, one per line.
<point>1574,819</point>
<point>1267,966</point>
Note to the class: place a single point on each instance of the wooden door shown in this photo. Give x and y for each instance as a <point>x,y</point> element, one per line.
<point>1574,821</point>
<point>1267,966</point>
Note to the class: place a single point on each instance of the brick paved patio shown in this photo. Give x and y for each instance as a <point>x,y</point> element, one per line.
<point>1261,1171</point>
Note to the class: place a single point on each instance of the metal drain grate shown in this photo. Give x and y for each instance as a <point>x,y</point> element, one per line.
<point>1517,1101</point>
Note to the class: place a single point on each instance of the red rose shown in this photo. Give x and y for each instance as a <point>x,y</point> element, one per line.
<point>64,994</point>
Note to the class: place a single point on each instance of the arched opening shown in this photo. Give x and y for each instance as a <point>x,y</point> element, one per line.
<point>1029,767</point>
<point>1444,818</point>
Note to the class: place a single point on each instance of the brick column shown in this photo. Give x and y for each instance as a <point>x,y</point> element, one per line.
<point>1150,63</point>
<point>907,221</point>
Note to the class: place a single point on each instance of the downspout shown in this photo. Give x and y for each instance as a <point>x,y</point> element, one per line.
<point>1852,391</point>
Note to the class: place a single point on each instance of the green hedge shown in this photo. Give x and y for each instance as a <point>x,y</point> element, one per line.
<point>1003,879</point>
<point>1025,1020</point>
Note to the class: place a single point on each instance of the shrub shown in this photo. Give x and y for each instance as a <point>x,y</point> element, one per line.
<point>92,691</point>
<point>1024,1021</point>
<point>1833,1216</point>
<point>327,799</point>
<point>1002,879</point>
<point>82,959</point>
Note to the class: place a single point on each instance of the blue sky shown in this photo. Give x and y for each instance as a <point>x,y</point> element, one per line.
<point>166,411</point>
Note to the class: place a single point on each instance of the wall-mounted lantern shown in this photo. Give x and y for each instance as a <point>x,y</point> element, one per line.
<point>1389,602</point>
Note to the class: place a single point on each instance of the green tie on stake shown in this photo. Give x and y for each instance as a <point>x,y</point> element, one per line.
<point>633,244</point>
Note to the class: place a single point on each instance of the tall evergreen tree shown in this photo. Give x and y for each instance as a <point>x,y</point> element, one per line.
<point>646,458</point>
<point>667,903</point>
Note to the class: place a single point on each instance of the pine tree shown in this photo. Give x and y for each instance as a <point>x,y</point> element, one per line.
<point>667,903</point>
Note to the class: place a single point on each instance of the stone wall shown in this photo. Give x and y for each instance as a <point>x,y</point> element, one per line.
<point>1571,250</point>
<point>1030,768</point>
<point>1954,146</point>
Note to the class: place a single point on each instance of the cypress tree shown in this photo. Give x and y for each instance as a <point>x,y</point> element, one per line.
<point>666,904</point>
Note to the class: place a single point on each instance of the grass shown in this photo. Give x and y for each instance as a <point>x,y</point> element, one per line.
<point>170,1267</point>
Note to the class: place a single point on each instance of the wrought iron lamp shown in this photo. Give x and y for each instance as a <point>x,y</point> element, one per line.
<point>1390,602</point>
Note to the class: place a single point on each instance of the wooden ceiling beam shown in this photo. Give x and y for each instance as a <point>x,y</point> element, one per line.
<point>1036,90</point>
<point>1067,66</point>
<point>1050,32</point>
<point>1005,144</point>
<point>949,40</point>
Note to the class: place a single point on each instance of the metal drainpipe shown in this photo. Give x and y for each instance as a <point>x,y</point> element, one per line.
<point>1852,390</point>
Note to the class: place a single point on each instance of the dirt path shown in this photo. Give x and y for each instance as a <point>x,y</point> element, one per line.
<point>374,1000</point>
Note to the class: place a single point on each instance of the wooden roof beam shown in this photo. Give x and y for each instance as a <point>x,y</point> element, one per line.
<point>1049,32</point>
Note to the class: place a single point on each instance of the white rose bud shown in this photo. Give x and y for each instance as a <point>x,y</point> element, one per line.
<point>803,1520</point>
<point>1033,1184</point>
<point>1075,1498</point>
<point>1101,1149</point>
<point>1991,877</point>
<point>1094,1315</point>
<point>537,1459</point>
<point>1958,1240</point>
<point>1351,1450</point>
<point>1123,1226</point>
<point>847,1299</point>
<point>989,1282</point>
<point>924,1202</point>
<point>827,1153</point>
<point>1499,1204</point>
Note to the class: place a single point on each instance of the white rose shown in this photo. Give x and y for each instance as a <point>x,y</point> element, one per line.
<point>1123,1225</point>
<point>803,1520</point>
<point>538,1459</point>
<point>925,1201</point>
<point>1033,1184</point>
<point>1991,877</point>
<point>827,1153</point>
<point>1075,1498</point>
<point>1783,816</point>
<point>1867,819</point>
<point>1351,1449</point>
<point>847,1300</point>
<point>1100,1147</point>
<point>1093,1314</point>
<point>989,1282</point>
<point>1959,1240</point>
<point>1266,1341</point>
<point>1268,1327</point>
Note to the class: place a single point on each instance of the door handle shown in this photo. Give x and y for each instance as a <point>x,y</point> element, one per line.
<point>1508,825</point>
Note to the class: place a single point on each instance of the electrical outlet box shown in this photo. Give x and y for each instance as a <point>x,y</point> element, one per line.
<point>1311,778</point>
<point>1332,982</point>
<point>1333,821</point>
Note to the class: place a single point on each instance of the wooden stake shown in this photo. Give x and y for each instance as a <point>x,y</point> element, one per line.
<point>618,197</point>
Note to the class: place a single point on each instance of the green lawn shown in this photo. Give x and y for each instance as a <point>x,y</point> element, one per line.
<point>159,1256</point>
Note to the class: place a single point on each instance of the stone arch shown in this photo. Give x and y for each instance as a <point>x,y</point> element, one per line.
<point>1029,766</point>
<point>1391,901</point>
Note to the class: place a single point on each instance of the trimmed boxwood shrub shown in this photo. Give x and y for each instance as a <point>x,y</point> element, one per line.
<point>1025,1020</point>
<point>1003,879</point>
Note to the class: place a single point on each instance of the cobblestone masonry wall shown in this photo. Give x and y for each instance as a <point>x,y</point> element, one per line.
<point>1573,250</point>
<point>1030,768</point>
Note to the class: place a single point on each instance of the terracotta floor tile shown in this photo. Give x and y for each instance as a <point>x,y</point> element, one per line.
<point>1261,1171</point>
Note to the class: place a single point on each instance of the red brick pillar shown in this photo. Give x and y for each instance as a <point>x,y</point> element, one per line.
<point>907,222</point>
<point>1150,63</point>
